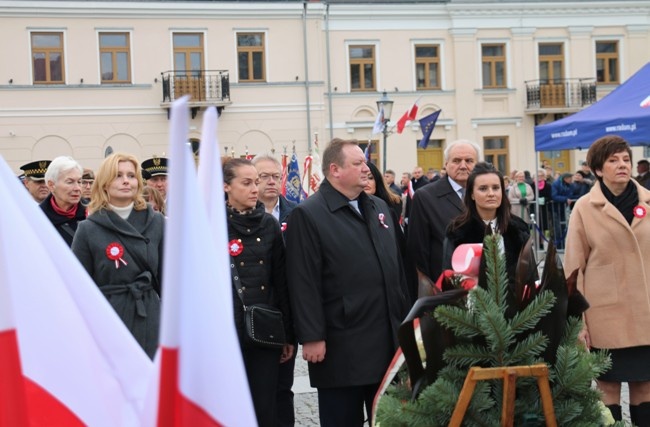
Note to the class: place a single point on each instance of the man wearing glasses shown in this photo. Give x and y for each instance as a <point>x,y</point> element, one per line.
<point>270,193</point>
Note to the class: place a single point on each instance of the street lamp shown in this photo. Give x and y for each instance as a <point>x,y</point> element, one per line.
<point>386,105</point>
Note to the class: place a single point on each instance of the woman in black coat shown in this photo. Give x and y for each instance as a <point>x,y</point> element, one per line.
<point>257,254</point>
<point>487,207</point>
<point>63,206</point>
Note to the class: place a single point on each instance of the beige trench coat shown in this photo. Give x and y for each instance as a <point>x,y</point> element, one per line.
<point>613,259</point>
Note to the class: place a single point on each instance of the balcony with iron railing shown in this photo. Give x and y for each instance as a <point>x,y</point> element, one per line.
<point>206,88</point>
<point>559,95</point>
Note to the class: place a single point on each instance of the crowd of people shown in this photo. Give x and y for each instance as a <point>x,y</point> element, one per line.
<point>344,267</point>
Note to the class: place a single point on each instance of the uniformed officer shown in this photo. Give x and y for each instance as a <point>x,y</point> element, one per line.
<point>154,171</point>
<point>35,179</point>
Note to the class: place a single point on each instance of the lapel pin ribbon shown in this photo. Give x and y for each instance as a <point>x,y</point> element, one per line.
<point>235,247</point>
<point>114,252</point>
<point>381,220</point>
<point>639,211</point>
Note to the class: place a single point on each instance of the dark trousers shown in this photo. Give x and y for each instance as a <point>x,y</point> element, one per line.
<point>343,407</point>
<point>284,413</point>
<point>262,371</point>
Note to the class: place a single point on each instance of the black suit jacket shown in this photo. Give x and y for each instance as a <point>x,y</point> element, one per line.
<point>346,285</point>
<point>433,208</point>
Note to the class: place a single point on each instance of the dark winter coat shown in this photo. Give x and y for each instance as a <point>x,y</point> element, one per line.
<point>434,206</point>
<point>260,265</point>
<point>65,226</point>
<point>514,239</point>
<point>346,285</point>
<point>131,287</point>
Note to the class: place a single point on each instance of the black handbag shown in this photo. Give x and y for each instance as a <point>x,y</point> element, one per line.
<point>263,323</point>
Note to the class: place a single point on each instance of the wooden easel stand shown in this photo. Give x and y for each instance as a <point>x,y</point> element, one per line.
<point>509,375</point>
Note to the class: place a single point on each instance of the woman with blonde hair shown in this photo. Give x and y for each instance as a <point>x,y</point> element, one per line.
<point>121,246</point>
<point>155,199</point>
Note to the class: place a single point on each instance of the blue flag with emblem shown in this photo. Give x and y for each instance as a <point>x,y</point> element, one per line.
<point>427,124</point>
<point>293,186</point>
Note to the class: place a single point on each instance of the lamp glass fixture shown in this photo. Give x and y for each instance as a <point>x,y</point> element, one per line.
<point>387,103</point>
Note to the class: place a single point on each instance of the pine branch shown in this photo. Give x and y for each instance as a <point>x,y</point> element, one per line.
<point>525,352</point>
<point>529,317</point>
<point>496,273</point>
<point>458,319</point>
<point>466,355</point>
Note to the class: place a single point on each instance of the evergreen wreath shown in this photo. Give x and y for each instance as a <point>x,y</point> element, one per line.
<point>506,324</point>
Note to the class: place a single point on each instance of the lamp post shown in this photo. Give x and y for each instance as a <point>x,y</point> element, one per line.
<point>385,104</point>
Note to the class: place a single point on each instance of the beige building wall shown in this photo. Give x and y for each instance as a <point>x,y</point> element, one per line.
<point>307,88</point>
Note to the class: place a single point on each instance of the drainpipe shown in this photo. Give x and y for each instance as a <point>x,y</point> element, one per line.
<point>308,109</point>
<point>329,71</point>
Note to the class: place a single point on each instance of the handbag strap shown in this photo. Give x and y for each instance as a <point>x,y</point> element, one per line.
<point>236,281</point>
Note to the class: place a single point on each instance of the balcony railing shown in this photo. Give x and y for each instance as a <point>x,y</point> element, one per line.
<point>560,94</point>
<point>205,87</point>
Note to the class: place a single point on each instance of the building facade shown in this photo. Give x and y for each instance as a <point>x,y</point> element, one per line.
<point>85,78</point>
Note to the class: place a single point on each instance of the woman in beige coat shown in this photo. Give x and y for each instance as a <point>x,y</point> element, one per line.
<point>609,243</point>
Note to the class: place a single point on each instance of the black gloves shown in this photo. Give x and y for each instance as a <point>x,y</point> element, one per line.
<point>523,202</point>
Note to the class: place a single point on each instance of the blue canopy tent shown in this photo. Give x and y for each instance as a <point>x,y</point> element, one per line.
<point>624,112</point>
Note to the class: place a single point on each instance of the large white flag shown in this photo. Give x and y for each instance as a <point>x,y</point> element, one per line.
<point>78,364</point>
<point>201,379</point>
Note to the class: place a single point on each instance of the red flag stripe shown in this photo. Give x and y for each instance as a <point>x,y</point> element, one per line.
<point>174,409</point>
<point>46,410</point>
<point>13,407</point>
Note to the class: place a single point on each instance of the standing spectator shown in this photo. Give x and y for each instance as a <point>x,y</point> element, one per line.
<point>609,245</point>
<point>270,174</point>
<point>433,175</point>
<point>579,185</point>
<point>417,182</point>
<point>543,202</point>
<point>588,175</point>
<point>346,286</point>
<point>434,207</point>
<point>155,199</point>
<point>562,195</point>
<point>643,177</point>
<point>87,181</point>
<point>121,247</point>
<point>404,183</point>
<point>520,196</point>
<point>486,205</point>
<point>258,263</point>
<point>389,177</point>
<point>378,187</point>
<point>418,179</point>
<point>35,179</point>
<point>63,206</point>
<point>155,169</point>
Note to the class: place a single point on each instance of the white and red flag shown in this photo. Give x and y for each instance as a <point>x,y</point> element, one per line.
<point>200,379</point>
<point>66,358</point>
<point>409,116</point>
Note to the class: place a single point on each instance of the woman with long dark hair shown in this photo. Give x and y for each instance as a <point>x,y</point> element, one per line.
<point>487,208</point>
<point>259,277</point>
<point>378,187</point>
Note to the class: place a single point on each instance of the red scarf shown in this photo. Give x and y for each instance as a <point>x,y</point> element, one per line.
<point>70,213</point>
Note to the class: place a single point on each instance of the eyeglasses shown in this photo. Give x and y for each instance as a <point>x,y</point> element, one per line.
<point>268,176</point>
<point>87,182</point>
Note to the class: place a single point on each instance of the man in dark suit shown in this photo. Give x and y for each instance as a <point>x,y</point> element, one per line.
<point>346,286</point>
<point>642,169</point>
<point>433,208</point>
<point>270,194</point>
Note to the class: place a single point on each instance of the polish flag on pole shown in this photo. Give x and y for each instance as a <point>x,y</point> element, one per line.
<point>408,116</point>
<point>66,358</point>
<point>201,381</point>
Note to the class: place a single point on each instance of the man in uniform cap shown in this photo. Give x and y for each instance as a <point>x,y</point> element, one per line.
<point>155,172</point>
<point>35,179</point>
<point>87,180</point>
